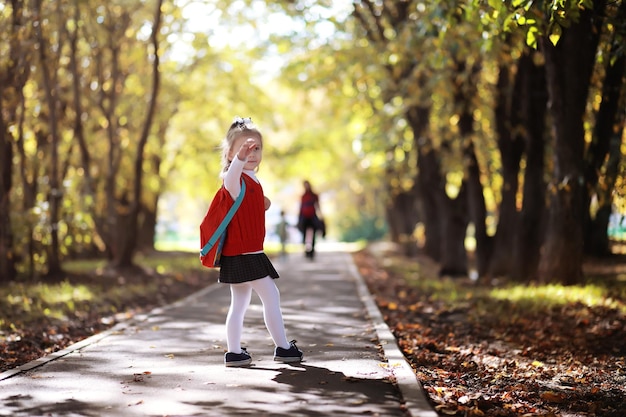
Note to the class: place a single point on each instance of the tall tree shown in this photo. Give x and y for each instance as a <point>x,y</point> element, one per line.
<point>48,65</point>
<point>130,239</point>
<point>14,71</point>
<point>520,117</point>
<point>569,65</point>
<point>603,154</point>
<point>529,226</point>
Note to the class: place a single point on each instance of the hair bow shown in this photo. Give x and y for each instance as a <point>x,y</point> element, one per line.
<point>242,122</point>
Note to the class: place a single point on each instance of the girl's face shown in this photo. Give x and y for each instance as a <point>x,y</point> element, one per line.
<point>255,155</point>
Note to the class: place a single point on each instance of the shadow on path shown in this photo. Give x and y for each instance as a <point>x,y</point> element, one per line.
<point>171,362</point>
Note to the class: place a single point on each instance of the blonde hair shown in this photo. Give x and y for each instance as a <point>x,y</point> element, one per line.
<point>240,127</point>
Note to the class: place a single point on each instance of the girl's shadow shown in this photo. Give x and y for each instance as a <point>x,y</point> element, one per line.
<point>312,385</point>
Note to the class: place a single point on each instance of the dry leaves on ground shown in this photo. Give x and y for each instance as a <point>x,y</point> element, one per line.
<point>486,357</point>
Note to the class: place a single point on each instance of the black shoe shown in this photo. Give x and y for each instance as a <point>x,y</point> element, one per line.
<point>293,354</point>
<point>237,359</point>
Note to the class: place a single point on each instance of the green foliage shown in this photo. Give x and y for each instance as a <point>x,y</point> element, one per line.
<point>328,89</point>
<point>364,227</point>
<point>537,19</point>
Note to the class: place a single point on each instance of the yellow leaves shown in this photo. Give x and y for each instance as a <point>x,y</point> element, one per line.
<point>521,3</point>
<point>415,307</point>
<point>532,36</point>
<point>389,366</point>
<point>440,390</point>
<point>556,33</point>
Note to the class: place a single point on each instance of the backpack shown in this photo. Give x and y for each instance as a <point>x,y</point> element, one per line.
<point>214,225</point>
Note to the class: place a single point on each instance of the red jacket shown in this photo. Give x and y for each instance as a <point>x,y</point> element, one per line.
<point>308,205</point>
<point>246,231</point>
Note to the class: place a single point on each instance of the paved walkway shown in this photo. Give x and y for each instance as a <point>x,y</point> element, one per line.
<point>170,361</point>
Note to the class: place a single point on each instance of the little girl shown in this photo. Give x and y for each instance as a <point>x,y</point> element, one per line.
<point>244,265</point>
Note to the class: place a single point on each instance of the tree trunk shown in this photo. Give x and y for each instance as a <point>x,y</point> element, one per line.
<point>7,259</point>
<point>465,93</point>
<point>431,195</point>
<point>129,245</point>
<point>147,228</point>
<point>511,145</point>
<point>569,65</point>
<point>402,217</point>
<point>79,130</point>
<point>10,79</point>
<point>428,182</point>
<point>13,78</point>
<point>529,228</point>
<point>600,244</point>
<point>55,193</point>
<point>108,223</point>
<point>477,211</point>
<point>148,223</point>
<point>606,140</point>
<point>454,221</point>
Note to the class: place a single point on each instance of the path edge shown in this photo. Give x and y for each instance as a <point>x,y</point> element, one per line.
<point>119,327</point>
<point>416,401</point>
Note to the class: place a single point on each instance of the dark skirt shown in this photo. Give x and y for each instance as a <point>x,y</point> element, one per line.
<point>244,268</point>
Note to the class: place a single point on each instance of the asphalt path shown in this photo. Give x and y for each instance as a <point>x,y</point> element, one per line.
<point>170,362</point>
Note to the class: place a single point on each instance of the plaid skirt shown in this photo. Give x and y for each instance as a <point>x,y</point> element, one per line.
<point>244,268</point>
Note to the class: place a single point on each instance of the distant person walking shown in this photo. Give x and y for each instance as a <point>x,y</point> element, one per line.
<point>244,265</point>
<point>283,233</point>
<point>310,220</point>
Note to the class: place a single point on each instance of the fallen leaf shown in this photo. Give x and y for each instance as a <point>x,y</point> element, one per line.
<point>553,397</point>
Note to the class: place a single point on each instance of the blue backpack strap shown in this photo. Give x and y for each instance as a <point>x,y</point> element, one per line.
<point>222,227</point>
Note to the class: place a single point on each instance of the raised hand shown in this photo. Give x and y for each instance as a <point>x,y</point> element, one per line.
<point>246,149</point>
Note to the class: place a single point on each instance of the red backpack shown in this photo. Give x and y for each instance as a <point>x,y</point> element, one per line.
<point>214,225</point>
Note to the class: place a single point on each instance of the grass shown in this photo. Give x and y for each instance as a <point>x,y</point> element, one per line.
<point>606,291</point>
<point>553,295</point>
<point>89,291</point>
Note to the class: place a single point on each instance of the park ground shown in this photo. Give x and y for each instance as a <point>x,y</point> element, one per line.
<point>479,350</point>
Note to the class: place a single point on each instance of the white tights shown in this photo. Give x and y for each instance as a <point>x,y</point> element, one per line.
<point>240,296</point>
